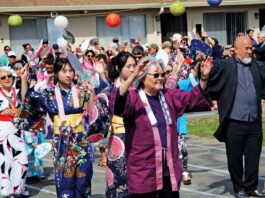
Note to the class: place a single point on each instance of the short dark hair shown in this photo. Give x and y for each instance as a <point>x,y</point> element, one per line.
<point>90,51</point>
<point>49,59</point>
<point>249,30</point>
<point>138,50</point>
<point>25,45</point>
<point>6,46</point>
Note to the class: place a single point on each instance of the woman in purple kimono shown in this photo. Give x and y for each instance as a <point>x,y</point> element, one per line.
<point>149,113</point>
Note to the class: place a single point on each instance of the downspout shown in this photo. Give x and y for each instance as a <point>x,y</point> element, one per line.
<point>156,18</point>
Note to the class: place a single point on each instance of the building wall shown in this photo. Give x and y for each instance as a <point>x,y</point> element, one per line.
<point>4,33</point>
<point>195,16</point>
<point>85,27</point>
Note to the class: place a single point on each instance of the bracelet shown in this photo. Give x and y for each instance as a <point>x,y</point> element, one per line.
<point>204,79</point>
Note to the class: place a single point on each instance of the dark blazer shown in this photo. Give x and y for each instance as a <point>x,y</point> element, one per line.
<point>260,52</point>
<point>222,86</point>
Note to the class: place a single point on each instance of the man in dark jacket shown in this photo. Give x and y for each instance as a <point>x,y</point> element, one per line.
<point>238,86</point>
<point>259,49</point>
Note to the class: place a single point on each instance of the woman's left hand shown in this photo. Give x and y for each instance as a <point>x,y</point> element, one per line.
<point>206,67</point>
<point>24,72</point>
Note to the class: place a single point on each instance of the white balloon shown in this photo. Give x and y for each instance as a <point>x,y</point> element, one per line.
<point>85,45</point>
<point>61,22</point>
<point>61,42</point>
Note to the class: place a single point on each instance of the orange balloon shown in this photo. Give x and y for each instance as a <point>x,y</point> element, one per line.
<point>113,20</point>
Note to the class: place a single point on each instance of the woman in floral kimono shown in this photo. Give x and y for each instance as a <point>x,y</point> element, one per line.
<point>67,106</point>
<point>13,156</point>
<point>120,68</point>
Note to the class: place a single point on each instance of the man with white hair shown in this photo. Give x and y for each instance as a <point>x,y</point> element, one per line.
<point>260,48</point>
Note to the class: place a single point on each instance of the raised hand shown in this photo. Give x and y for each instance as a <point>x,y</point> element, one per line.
<point>25,72</point>
<point>206,67</point>
<point>99,67</point>
<point>140,68</point>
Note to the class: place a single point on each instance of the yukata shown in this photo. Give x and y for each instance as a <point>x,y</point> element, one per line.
<point>144,150</point>
<point>185,85</point>
<point>13,155</point>
<point>116,158</point>
<point>35,135</point>
<point>72,151</point>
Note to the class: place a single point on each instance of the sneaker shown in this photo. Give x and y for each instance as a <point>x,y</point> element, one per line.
<point>186,178</point>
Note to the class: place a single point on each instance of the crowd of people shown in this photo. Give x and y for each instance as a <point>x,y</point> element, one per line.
<point>132,104</point>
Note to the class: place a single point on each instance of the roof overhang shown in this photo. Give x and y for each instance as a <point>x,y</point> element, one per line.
<point>188,4</point>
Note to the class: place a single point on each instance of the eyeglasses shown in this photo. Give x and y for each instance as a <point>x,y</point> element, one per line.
<point>156,75</point>
<point>8,49</point>
<point>6,77</point>
<point>138,56</point>
<point>168,72</point>
<point>12,56</point>
<point>90,56</point>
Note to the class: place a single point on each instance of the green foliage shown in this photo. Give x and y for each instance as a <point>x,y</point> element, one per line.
<point>205,127</point>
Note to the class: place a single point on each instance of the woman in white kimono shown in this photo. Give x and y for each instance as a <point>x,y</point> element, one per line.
<point>13,156</point>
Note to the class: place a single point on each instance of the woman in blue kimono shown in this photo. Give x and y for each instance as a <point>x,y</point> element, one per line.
<point>66,104</point>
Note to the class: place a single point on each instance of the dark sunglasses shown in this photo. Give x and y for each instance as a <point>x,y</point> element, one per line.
<point>12,57</point>
<point>90,56</point>
<point>6,77</point>
<point>168,72</point>
<point>156,75</point>
<point>7,49</point>
<point>138,56</point>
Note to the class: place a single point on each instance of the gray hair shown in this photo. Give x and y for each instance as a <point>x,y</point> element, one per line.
<point>8,70</point>
<point>262,34</point>
<point>151,62</point>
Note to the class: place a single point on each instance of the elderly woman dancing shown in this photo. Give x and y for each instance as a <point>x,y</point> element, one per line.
<point>149,113</point>
<point>13,156</point>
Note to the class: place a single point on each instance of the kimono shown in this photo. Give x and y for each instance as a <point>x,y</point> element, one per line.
<point>13,156</point>
<point>72,151</point>
<point>35,135</point>
<point>143,146</point>
<point>116,162</point>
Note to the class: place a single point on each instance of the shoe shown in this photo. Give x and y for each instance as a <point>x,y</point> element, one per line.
<point>256,193</point>
<point>241,194</point>
<point>24,193</point>
<point>186,178</point>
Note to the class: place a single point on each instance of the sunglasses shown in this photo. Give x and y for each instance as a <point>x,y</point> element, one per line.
<point>168,72</point>
<point>7,49</point>
<point>90,56</point>
<point>156,75</point>
<point>12,57</point>
<point>6,77</point>
<point>138,56</point>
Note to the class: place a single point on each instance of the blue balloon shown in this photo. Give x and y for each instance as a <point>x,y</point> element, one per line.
<point>214,2</point>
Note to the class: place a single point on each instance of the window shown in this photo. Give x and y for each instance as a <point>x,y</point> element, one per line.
<point>131,27</point>
<point>225,26</point>
<point>34,30</point>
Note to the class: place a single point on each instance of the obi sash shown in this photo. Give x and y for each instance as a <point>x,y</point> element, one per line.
<point>73,120</point>
<point>117,124</point>
<point>8,114</point>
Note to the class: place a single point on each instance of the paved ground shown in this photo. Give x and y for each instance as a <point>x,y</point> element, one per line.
<point>207,163</point>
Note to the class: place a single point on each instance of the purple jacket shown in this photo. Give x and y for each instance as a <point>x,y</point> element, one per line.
<point>143,145</point>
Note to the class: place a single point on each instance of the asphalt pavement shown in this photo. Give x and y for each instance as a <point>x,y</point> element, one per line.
<point>207,164</point>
